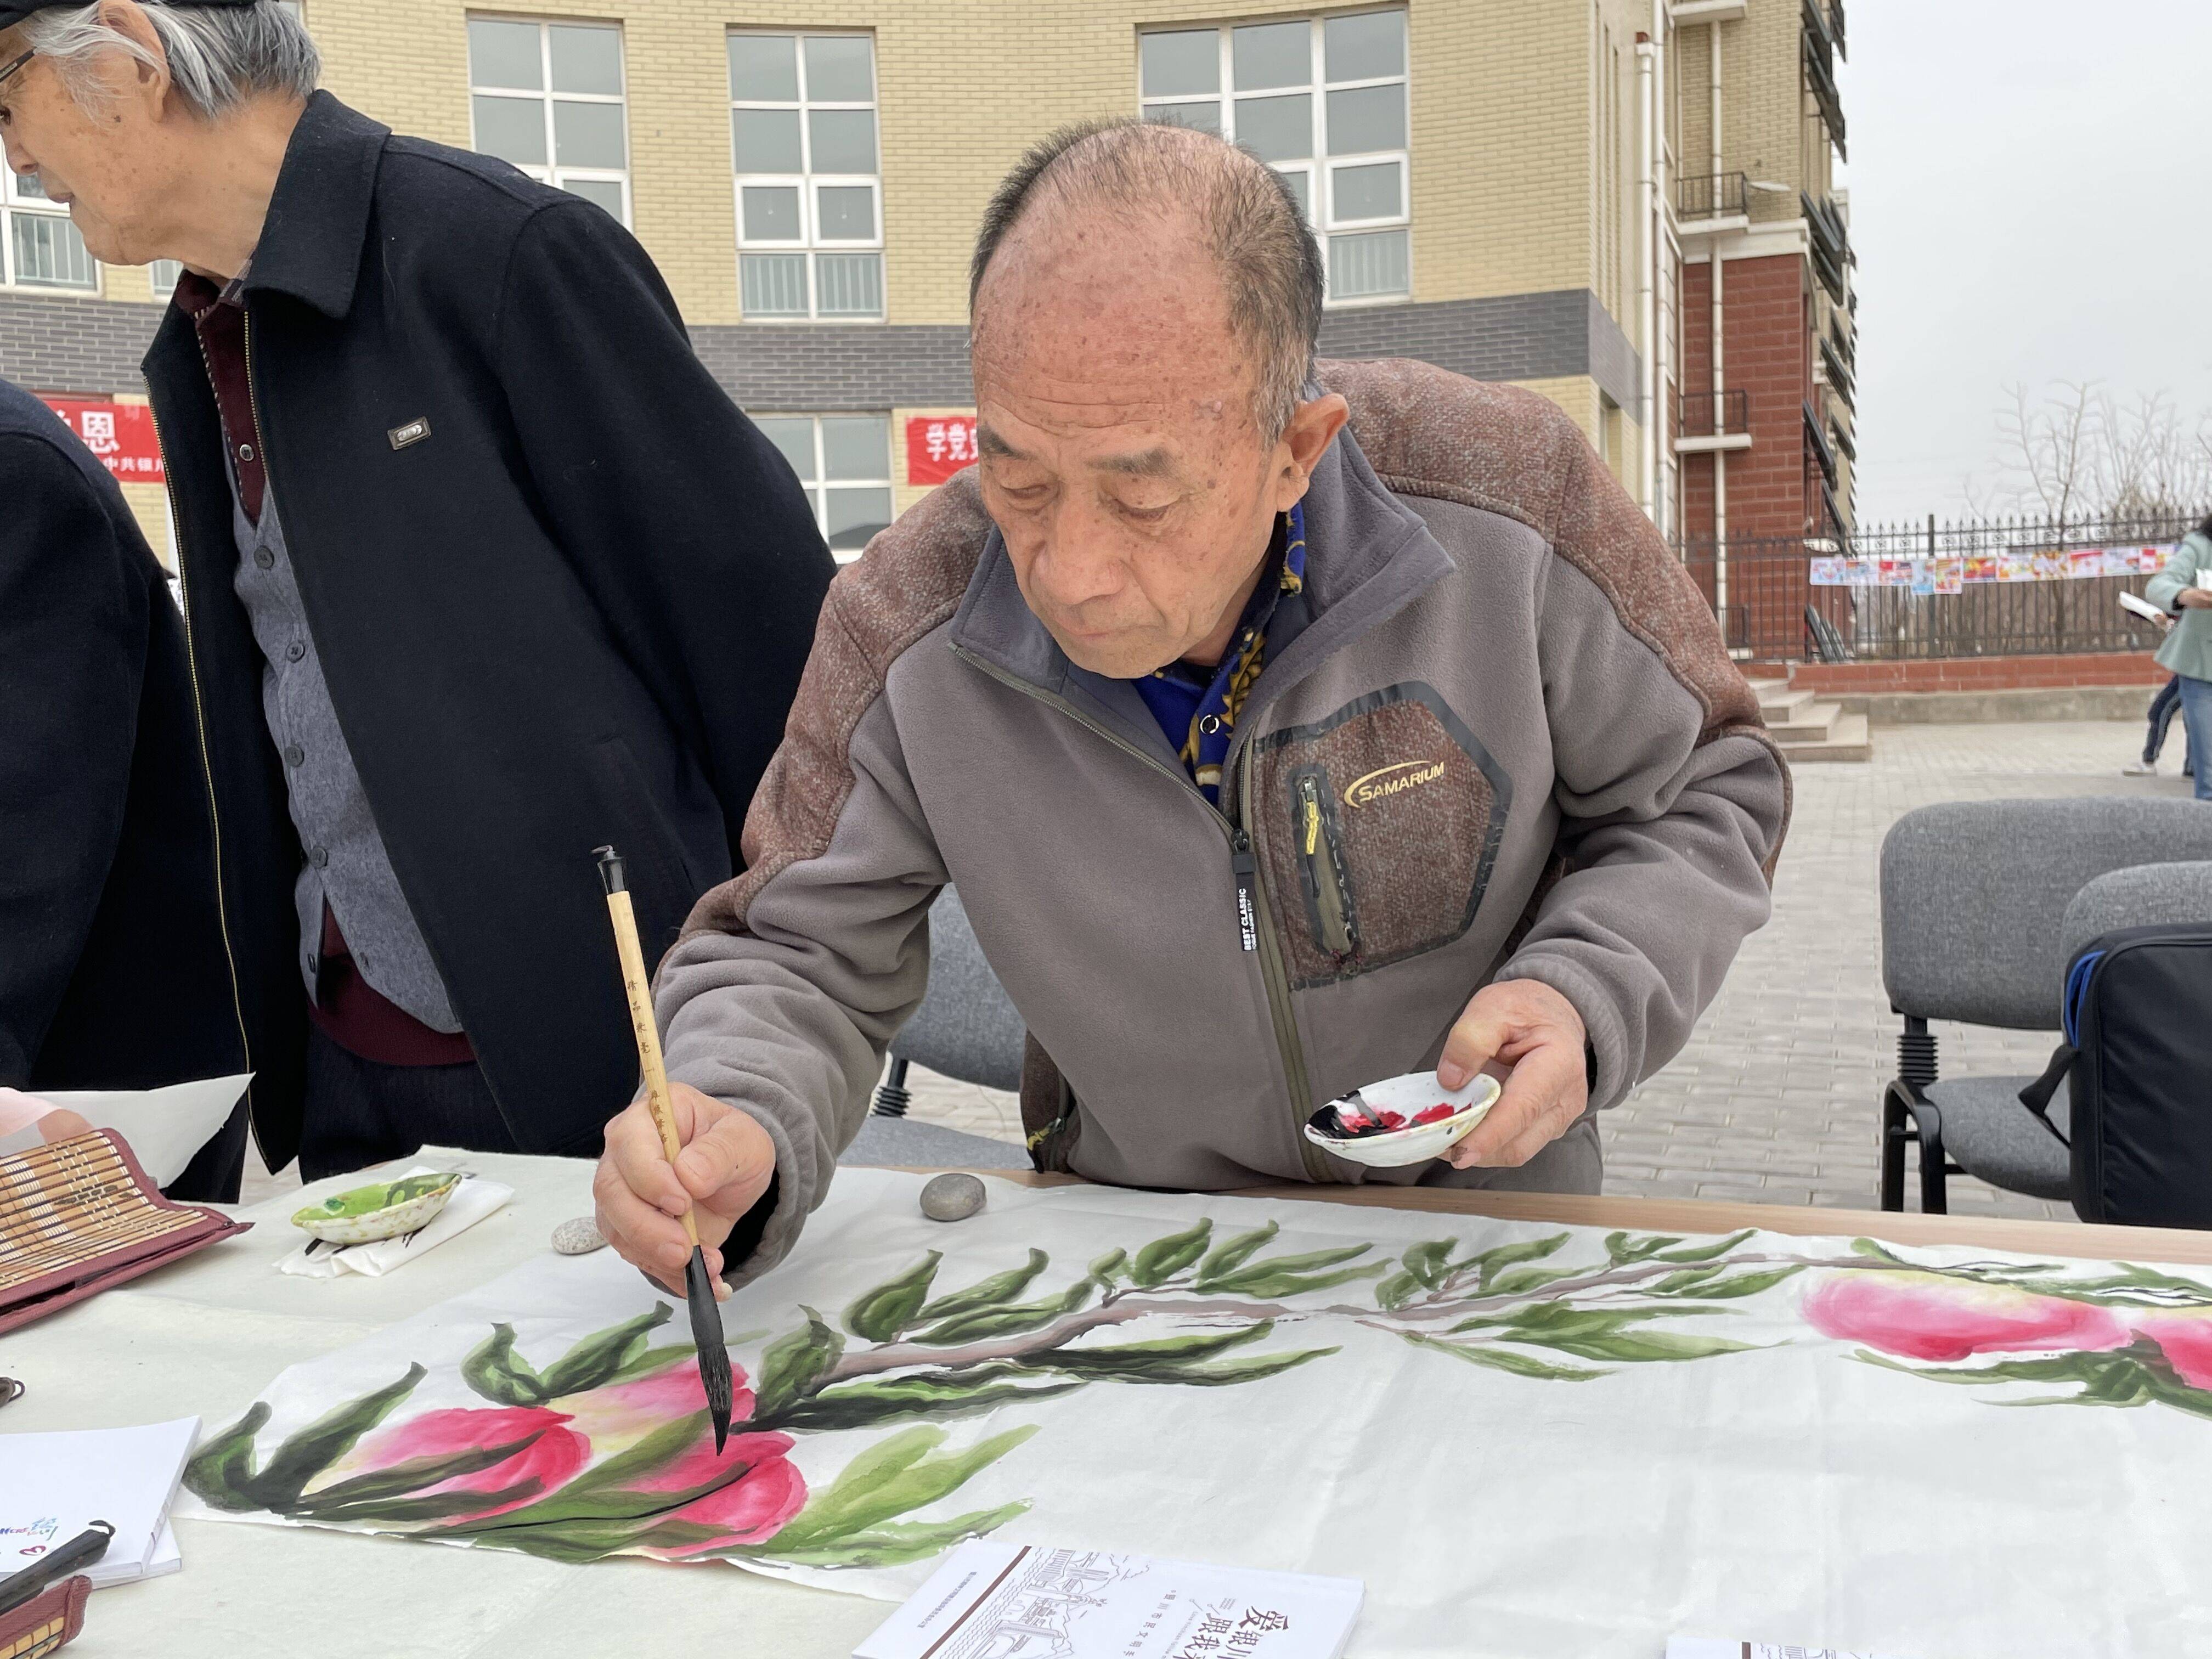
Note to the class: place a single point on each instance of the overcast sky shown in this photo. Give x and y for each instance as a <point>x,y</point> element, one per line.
<point>2031,191</point>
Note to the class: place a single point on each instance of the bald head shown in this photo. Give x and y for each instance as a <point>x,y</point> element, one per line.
<point>1168,187</point>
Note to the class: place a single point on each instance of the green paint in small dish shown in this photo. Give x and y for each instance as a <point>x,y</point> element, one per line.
<point>385,1210</point>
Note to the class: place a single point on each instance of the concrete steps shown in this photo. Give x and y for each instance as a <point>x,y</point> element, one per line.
<point>1808,729</point>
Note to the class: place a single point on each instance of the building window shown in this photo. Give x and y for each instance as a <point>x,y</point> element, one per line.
<point>549,98</point>
<point>810,190</point>
<point>1324,101</point>
<point>845,463</point>
<point>38,245</point>
<point>161,276</point>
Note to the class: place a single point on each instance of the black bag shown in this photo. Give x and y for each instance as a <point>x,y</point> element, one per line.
<point>2137,1064</point>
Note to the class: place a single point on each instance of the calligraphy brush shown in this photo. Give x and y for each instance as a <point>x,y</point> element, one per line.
<point>699,1288</point>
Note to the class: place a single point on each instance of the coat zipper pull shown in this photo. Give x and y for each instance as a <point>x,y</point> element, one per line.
<point>1246,868</point>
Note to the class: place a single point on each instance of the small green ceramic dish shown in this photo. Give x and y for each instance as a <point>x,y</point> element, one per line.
<point>384,1211</point>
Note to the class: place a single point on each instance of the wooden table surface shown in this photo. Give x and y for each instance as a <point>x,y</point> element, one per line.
<point>1676,1215</point>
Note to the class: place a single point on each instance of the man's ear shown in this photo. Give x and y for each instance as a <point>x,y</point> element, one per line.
<point>148,82</point>
<point>1313,429</point>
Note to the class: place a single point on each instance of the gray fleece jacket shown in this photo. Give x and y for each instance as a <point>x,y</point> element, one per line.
<point>1509,745</point>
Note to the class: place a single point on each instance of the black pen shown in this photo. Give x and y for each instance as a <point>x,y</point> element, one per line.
<point>81,1551</point>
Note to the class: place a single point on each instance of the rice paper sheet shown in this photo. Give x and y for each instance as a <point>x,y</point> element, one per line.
<point>1525,1439</point>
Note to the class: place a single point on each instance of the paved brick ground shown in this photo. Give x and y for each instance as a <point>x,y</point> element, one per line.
<point>1773,1100</point>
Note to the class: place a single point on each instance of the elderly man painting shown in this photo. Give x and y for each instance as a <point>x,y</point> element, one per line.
<point>1284,726</point>
<point>459,609</point>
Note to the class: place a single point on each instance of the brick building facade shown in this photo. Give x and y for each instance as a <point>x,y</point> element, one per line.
<point>1499,185</point>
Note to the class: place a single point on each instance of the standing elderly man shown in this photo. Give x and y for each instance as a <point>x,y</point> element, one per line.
<point>457,610</point>
<point>1283,728</point>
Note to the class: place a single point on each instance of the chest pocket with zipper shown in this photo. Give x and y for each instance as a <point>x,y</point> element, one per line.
<point>1384,818</point>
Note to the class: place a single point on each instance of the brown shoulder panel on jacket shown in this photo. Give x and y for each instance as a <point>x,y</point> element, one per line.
<point>910,581</point>
<point>1429,431</point>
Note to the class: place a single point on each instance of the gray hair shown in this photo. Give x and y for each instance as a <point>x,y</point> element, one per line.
<point>1269,261</point>
<point>218,56</point>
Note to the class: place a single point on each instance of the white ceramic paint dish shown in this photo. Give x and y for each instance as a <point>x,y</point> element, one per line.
<point>1408,1096</point>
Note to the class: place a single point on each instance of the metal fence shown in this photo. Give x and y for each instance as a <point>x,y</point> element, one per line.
<point>1926,605</point>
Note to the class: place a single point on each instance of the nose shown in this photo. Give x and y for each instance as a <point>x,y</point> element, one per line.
<point>1071,558</point>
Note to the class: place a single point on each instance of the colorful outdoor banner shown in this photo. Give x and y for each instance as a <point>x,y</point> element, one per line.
<point>120,434</point>
<point>1951,575</point>
<point>939,445</point>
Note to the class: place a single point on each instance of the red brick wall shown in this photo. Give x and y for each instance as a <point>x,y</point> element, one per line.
<point>1767,345</point>
<point>1696,375</point>
<point>1980,673</point>
<point>1767,349</point>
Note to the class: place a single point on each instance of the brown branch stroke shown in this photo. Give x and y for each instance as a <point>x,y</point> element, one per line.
<point>1126,1310</point>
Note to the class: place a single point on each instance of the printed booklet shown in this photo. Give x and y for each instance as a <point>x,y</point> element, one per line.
<point>996,1600</point>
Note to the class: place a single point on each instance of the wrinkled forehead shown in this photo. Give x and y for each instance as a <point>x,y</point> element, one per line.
<point>1110,325</point>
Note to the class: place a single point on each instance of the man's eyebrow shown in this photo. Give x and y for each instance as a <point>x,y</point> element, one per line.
<point>1153,463</point>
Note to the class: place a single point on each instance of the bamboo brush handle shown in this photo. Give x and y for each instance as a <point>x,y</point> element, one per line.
<point>635,985</point>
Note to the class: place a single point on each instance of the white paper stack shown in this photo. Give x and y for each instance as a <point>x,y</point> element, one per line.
<point>164,1126</point>
<point>54,1486</point>
<point>992,1599</point>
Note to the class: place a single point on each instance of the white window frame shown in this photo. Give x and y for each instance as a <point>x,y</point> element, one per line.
<point>1320,169</point>
<point>817,486</point>
<point>553,173</point>
<point>808,182</point>
<point>14,204</point>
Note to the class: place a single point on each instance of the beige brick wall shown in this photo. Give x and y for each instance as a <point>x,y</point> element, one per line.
<point>1768,130</point>
<point>1525,162</point>
<point>1504,164</point>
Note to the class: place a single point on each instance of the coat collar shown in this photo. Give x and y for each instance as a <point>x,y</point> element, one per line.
<point>1370,555</point>
<point>311,243</point>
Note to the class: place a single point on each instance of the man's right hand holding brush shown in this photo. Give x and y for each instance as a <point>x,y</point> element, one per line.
<point>726,1165</point>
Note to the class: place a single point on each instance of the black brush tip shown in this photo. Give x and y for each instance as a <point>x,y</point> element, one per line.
<point>707,1333</point>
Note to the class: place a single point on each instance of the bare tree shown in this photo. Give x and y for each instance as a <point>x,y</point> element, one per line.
<point>2045,448</point>
<point>2145,464</point>
<point>2075,453</point>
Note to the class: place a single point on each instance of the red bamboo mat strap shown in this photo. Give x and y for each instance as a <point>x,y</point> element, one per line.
<point>79,1215</point>
<point>42,1624</point>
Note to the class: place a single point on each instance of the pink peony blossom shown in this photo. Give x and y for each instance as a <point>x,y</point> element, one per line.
<point>2184,1336</point>
<point>1917,1316</point>
<point>547,1453</point>
<point>751,1509</point>
<point>616,1418</point>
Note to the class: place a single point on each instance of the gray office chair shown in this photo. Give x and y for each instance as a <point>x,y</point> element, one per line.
<point>1975,898</point>
<point>966,1028</point>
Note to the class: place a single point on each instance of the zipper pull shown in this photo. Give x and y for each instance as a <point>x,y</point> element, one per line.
<point>1246,869</point>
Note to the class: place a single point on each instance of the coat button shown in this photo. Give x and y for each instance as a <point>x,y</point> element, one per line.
<point>293,754</point>
<point>264,557</point>
<point>246,452</point>
<point>319,857</point>
<point>1209,724</point>
<point>294,651</point>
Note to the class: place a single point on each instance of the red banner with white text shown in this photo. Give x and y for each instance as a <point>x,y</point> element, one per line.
<point>120,434</point>
<point>939,445</point>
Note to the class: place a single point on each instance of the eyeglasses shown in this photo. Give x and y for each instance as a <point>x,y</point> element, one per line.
<point>12,68</point>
